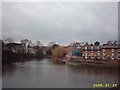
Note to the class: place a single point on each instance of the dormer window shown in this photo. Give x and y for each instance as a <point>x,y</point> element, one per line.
<point>85,48</point>
<point>91,47</point>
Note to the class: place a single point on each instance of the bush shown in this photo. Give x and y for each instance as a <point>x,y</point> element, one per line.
<point>58,53</point>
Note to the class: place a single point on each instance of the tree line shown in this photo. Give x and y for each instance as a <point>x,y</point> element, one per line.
<point>24,49</point>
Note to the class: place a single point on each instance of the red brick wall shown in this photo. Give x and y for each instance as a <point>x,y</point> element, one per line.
<point>109,52</point>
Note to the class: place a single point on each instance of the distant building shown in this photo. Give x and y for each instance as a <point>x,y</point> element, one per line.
<point>108,51</point>
<point>73,49</point>
<point>90,51</point>
<point>14,47</point>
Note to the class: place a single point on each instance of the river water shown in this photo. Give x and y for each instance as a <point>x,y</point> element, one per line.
<point>46,74</point>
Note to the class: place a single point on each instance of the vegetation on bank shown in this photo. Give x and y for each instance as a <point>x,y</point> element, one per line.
<point>58,53</point>
<point>25,49</point>
<point>9,57</point>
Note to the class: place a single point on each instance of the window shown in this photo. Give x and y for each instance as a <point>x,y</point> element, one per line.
<point>112,57</point>
<point>92,54</point>
<point>92,57</point>
<point>86,57</point>
<point>91,47</point>
<point>103,56</point>
<point>112,54</point>
<point>97,47</point>
<point>98,54</point>
<point>98,57</point>
<point>103,50</point>
<point>85,48</point>
<point>85,54</point>
<point>112,50</point>
<point>108,57</point>
<point>89,57</point>
<point>118,50</point>
<point>118,56</point>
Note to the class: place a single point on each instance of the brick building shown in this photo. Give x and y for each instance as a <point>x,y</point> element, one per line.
<point>73,50</point>
<point>108,51</point>
<point>90,51</point>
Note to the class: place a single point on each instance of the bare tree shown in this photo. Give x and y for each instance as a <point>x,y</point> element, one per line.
<point>24,41</point>
<point>38,43</point>
<point>8,40</point>
<point>30,43</point>
<point>51,44</point>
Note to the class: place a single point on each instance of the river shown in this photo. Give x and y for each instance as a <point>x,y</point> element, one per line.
<point>46,74</point>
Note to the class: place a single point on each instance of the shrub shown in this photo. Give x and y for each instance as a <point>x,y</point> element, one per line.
<point>58,53</point>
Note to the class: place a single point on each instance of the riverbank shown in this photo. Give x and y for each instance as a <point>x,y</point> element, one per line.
<point>10,57</point>
<point>104,64</point>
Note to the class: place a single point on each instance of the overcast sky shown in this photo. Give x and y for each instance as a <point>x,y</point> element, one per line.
<point>60,22</point>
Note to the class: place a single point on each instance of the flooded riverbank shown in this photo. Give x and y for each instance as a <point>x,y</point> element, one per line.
<point>46,74</point>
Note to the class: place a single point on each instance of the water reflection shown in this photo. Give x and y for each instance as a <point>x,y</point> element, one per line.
<point>46,74</point>
<point>95,71</point>
<point>8,69</point>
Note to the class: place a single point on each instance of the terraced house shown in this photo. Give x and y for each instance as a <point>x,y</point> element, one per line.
<point>90,51</point>
<point>108,51</point>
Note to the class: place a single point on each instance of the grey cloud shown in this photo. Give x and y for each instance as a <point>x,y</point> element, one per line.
<point>60,22</point>
<point>0,20</point>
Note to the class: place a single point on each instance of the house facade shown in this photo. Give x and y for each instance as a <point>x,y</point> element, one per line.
<point>108,51</point>
<point>90,52</point>
<point>74,49</point>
